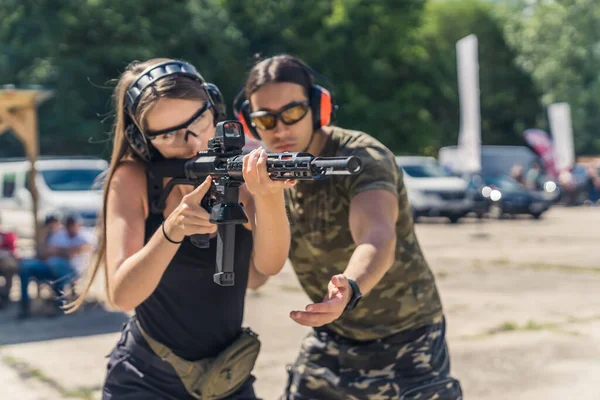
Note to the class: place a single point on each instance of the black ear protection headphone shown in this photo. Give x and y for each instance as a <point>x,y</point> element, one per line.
<point>138,141</point>
<point>321,102</point>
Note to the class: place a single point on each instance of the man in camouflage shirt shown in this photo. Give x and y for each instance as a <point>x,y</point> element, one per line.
<point>351,234</point>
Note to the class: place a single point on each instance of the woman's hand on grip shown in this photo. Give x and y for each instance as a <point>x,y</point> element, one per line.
<point>190,217</point>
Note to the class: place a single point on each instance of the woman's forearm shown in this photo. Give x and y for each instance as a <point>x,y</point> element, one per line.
<point>255,278</point>
<point>271,234</point>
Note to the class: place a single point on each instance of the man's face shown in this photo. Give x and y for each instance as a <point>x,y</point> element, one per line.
<point>274,97</point>
<point>54,226</point>
<point>72,229</point>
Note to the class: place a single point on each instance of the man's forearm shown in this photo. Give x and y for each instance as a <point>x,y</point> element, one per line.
<point>57,252</point>
<point>83,248</point>
<point>371,260</point>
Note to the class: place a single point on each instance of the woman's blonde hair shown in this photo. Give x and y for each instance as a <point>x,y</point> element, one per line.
<point>175,86</point>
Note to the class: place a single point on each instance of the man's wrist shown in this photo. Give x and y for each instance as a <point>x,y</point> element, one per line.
<point>355,295</point>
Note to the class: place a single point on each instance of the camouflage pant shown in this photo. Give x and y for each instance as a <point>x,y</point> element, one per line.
<point>407,366</point>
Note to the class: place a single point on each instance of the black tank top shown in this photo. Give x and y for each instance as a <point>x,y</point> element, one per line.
<point>188,312</point>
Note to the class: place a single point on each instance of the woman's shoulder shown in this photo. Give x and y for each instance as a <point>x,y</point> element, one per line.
<point>130,172</point>
<point>127,189</point>
<point>129,182</point>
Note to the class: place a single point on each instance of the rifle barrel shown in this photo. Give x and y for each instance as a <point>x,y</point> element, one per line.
<point>338,165</point>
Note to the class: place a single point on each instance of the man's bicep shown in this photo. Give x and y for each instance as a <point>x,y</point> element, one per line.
<point>373,210</point>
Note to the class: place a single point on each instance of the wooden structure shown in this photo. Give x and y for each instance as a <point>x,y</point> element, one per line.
<point>18,113</point>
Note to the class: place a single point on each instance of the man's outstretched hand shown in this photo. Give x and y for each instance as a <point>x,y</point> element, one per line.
<point>332,307</point>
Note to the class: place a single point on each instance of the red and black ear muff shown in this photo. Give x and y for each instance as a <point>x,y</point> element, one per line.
<point>241,111</point>
<point>321,105</point>
<point>244,118</point>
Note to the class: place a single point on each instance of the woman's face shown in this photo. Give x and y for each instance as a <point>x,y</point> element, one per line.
<point>290,99</point>
<point>183,126</point>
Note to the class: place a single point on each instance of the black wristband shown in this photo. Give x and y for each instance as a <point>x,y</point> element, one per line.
<point>355,297</point>
<point>165,234</point>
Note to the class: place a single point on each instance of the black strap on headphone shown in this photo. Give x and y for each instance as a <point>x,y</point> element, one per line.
<point>318,75</point>
<point>155,72</point>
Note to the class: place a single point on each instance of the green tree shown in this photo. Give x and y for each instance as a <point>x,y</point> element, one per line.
<point>393,73</point>
<point>558,43</point>
<point>368,50</point>
<point>509,101</point>
<point>79,48</point>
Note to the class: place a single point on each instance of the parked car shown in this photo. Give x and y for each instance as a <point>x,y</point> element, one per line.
<point>432,191</point>
<point>512,198</point>
<point>480,195</point>
<point>495,160</point>
<point>65,185</point>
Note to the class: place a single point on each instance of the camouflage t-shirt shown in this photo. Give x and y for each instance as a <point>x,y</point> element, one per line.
<point>322,243</point>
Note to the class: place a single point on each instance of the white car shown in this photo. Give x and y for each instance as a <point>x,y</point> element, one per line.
<point>65,186</point>
<point>432,191</point>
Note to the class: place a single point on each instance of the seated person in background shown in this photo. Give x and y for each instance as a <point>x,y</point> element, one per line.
<point>517,172</point>
<point>73,243</point>
<point>61,258</point>
<point>8,263</point>
<point>533,179</point>
<point>36,267</point>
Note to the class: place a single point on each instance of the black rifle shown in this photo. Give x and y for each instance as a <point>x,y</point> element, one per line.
<point>223,161</point>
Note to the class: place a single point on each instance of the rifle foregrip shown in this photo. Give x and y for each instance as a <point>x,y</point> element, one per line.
<point>304,166</point>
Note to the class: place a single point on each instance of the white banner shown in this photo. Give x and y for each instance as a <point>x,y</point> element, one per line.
<point>469,137</point>
<point>559,115</point>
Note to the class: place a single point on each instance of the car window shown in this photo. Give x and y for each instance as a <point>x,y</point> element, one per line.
<point>9,183</point>
<point>71,179</point>
<point>494,162</point>
<point>503,183</point>
<point>429,170</point>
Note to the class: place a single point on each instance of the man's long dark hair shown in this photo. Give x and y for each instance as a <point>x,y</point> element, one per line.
<point>278,69</point>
